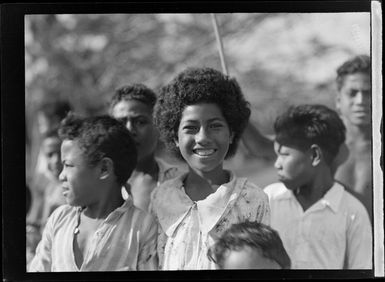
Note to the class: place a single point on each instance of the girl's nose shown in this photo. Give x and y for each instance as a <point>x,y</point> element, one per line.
<point>202,136</point>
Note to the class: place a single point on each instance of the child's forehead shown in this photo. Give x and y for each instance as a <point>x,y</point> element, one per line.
<point>249,257</point>
<point>201,111</point>
<point>131,105</point>
<point>70,146</point>
<point>357,78</point>
<point>283,147</point>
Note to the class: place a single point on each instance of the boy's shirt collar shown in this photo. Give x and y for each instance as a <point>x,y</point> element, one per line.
<point>331,199</point>
<point>173,204</point>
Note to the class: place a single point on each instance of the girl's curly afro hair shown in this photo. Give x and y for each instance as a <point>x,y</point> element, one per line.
<point>200,85</point>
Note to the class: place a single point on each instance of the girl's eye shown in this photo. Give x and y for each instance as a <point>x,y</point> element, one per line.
<point>216,125</point>
<point>190,128</point>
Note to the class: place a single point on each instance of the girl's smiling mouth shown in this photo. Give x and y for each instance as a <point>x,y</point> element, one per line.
<point>204,152</point>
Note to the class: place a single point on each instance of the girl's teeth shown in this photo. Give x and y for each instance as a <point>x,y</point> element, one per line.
<point>204,152</point>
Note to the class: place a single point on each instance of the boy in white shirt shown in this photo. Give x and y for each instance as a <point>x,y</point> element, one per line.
<point>98,230</point>
<point>322,226</point>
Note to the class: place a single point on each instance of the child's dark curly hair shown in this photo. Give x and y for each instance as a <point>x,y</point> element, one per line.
<point>136,91</point>
<point>200,85</point>
<point>102,137</point>
<point>252,234</point>
<point>360,63</point>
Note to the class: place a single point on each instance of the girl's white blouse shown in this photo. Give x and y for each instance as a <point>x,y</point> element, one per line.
<point>188,228</point>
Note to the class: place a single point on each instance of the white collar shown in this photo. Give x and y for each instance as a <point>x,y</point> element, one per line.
<point>172,204</point>
<point>332,197</point>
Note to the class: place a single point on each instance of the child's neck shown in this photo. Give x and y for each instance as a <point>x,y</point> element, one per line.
<point>198,185</point>
<point>108,203</point>
<point>310,193</point>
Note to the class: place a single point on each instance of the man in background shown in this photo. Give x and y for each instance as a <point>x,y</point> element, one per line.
<point>353,103</point>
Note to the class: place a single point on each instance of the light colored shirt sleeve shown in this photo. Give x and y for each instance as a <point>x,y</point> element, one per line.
<point>42,260</point>
<point>148,259</point>
<point>359,241</point>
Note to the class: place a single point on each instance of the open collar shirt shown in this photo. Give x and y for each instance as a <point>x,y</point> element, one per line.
<point>188,228</point>
<point>334,233</point>
<point>126,240</point>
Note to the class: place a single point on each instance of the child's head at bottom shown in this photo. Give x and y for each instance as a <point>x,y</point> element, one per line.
<point>250,245</point>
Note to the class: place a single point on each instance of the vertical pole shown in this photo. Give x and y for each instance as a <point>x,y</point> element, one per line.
<point>219,43</point>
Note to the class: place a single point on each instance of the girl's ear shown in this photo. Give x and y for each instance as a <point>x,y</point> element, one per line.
<point>316,154</point>
<point>106,168</point>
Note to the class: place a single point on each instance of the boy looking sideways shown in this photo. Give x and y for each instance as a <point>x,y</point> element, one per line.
<point>97,230</point>
<point>322,226</point>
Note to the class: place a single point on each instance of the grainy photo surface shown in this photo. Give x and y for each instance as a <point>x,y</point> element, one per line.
<point>217,144</point>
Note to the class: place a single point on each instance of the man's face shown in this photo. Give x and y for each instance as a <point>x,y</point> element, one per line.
<point>354,98</point>
<point>248,258</point>
<point>137,117</point>
<point>294,166</point>
<point>79,180</point>
<point>51,150</point>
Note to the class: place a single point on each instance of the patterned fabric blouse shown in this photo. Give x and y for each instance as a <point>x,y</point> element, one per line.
<point>187,228</point>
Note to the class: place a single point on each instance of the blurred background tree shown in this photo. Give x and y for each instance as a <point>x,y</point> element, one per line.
<point>278,59</point>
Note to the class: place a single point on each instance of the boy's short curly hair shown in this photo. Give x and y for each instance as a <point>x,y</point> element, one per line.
<point>252,234</point>
<point>360,63</point>
<point>136,91</point>
<point>102,137</point>
<point>304,125</point>
<point>200,85</point>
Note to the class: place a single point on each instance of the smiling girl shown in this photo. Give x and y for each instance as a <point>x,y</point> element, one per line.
<point>201,115</point>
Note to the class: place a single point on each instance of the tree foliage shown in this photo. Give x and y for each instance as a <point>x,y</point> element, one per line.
<point>278,59</point>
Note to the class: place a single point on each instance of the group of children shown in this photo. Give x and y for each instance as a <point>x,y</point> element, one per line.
<point>128,210</point>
